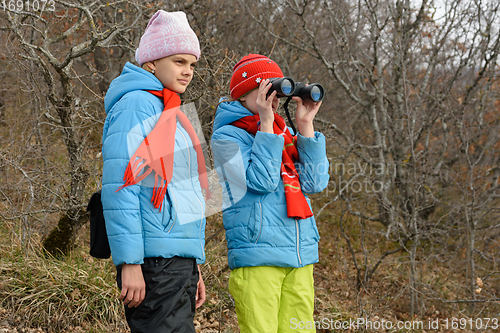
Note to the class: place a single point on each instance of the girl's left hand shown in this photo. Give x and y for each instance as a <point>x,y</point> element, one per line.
<point>304,115</point>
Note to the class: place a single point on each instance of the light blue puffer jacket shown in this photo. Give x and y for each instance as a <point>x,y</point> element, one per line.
<point>136,230</point>
<point>258,231</point>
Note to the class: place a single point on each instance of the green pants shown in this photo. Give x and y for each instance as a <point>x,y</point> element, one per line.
<point>273,299</point>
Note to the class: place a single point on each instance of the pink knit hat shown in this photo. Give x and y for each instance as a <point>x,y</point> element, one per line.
<point>167,34</point>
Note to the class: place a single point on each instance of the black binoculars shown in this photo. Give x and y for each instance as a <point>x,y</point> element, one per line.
<point>286,87</point>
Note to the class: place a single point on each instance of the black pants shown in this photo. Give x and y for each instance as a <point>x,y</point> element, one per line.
<point>169,305</point>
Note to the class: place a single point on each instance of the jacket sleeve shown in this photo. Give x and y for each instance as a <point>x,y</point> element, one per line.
<point>245,163</point>
<point>313,163</point>
<point>125,128</point>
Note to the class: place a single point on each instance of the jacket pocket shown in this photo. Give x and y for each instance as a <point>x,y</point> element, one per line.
<point>169,211</point>
<point>255,224</point>
<point>315,233</point>
<point>313,229</point>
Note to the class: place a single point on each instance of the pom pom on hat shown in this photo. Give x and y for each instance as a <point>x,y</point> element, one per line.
<point>167,33</point>
<point>250,71</point>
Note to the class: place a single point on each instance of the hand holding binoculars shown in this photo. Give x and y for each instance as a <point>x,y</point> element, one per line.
<point>286,87</point>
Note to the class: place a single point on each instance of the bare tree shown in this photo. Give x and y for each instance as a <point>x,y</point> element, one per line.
<point>68,55</point>
<point>53,41</point>
<point>420,83</point>
<point>411,115</point>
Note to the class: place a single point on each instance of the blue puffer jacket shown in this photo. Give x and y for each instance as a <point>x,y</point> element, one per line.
<point>136,230</point>
<point>258,231</point>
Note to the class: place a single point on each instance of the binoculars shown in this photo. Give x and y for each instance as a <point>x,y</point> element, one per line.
<point>286,87</point>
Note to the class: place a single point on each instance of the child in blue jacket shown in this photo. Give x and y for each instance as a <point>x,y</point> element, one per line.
<point>265,172</point>
<point>153,175</point>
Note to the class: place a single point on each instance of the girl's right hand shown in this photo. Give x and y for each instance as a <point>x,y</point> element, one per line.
<point>265,106</point>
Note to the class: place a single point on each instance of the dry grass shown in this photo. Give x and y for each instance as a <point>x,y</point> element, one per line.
<point>39,291</point>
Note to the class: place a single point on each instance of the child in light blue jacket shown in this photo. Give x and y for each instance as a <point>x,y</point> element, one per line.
<point>153,175</point>
<point>265,172</point>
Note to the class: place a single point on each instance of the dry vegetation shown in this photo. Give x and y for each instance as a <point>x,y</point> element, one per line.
<point>39,293</point>
<point>407,93</point>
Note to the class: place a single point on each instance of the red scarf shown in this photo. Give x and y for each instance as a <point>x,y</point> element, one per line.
<point>157,150</point>
<point>296,203</point>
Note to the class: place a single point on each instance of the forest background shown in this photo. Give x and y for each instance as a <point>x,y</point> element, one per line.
<point>409,222</point>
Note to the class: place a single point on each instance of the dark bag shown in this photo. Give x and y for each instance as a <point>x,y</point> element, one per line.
<point>99,245</point>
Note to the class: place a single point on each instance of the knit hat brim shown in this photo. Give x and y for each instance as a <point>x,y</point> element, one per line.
<point>249,72</point>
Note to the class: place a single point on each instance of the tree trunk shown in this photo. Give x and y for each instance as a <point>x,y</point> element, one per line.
<point>471,268</point>
<point>61,239</point>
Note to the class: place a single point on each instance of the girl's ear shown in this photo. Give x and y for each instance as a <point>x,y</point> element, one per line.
<point>151,65</point>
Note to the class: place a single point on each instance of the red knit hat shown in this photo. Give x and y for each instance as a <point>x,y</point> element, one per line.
<point>250,71</point>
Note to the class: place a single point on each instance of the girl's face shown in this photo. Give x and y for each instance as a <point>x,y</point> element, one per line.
<point>174,72</point>
<point>250,101</point>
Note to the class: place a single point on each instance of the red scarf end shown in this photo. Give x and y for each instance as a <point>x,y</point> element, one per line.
<point>159,192</point>
<point>299,216</point>
<point>297,206</point>
<point>208,194</point>
<point>128,177</point>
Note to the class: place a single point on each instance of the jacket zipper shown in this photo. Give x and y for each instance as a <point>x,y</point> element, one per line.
<point>199,201</point>
<point>260,227</point>
<point>298,251</point>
